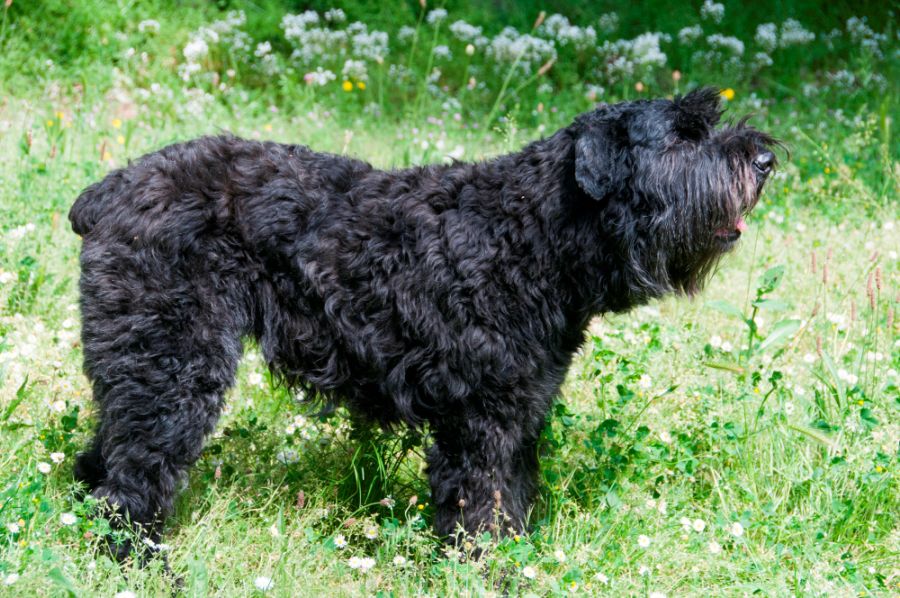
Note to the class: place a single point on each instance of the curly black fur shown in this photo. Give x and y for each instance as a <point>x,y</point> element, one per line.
<point>448,295</point>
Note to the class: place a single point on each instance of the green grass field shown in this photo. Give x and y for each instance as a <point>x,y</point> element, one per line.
<point>744,442</point>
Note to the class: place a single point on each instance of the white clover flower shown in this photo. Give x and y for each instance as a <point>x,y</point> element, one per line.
<point>643,541</point>
<point>712,11</point>
<point>767,36</point>
<point>6,277</point>
<point>714,547</point>
<point>736,529</point>
<point>529,572</point>
<point>255,378</point>
<point>645,382</point>
<point>10,579</point>
<point>57,457</point>
<point>68,518</point>
<point>656,595</point>
<point>148,25</point>
<point>399,561</point>
<point>601,578</point>
<point>125,594</point>
<point>560,556</point>
<point>643,570</point>
<point>263,583</point>
<point>13,527</point>
<point>436,16</point>
<point>727,347</point>
<point>20,231</point>
<point>43,467</point>
<point>699,525</point>
<point>688,35</point>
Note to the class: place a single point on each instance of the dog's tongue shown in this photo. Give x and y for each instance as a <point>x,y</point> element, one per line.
<point>739,226</point>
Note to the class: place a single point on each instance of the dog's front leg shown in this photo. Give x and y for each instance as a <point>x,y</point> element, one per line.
<point>483,475</point>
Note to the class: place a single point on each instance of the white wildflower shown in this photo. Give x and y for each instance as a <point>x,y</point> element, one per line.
<point>43,467</point>
<point>442,52</point>
<point>399,561</point>
<point>10,579</point>
<point>736,529</point>
<point>340,542</point>
<point>263,583</point>
<point>643,541</point>
<point>148,25</point>
<point>196,49</point>
<point>699,525</point>
<point>767,36</point>
<point>712,11</point>
<point>688,35</point>
<point>725,42</point>
<point>465,32</point>
<point>608,22</point>
<point>436,16</point>
<point>529,572</point>
<point>714,547</point>
<point>794,34</point>
<point>335,15</point>
<point>68,518</point>
<point>262,49</point>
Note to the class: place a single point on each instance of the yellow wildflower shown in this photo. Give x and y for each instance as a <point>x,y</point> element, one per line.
<point>728,94</point>
<point>347,86</point>
<point>361,84</point>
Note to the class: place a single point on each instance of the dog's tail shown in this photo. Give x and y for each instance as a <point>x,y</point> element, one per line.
<point>94,202</point>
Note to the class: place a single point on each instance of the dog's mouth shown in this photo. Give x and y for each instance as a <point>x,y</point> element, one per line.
<point>729,235</point>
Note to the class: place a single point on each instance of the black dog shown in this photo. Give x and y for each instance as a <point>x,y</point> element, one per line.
<point>452,296</point>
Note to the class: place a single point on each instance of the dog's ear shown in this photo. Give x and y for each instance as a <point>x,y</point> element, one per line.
<point>697,113</point>
<point>601,154</point>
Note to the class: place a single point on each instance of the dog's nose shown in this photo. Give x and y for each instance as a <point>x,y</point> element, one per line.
<point>764,161</point>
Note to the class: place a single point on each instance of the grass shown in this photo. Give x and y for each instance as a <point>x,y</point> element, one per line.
<point>743,442</point>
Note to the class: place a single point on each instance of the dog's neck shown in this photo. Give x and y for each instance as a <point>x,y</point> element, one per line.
<point>575,227</point>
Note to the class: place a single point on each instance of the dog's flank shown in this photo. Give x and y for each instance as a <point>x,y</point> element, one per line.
<point>448,295</point>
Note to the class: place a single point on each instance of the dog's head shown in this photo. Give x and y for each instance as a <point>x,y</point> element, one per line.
<point>674,188</point>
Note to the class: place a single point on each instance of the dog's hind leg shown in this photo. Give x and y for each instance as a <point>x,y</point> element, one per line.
<point>164,352</point>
